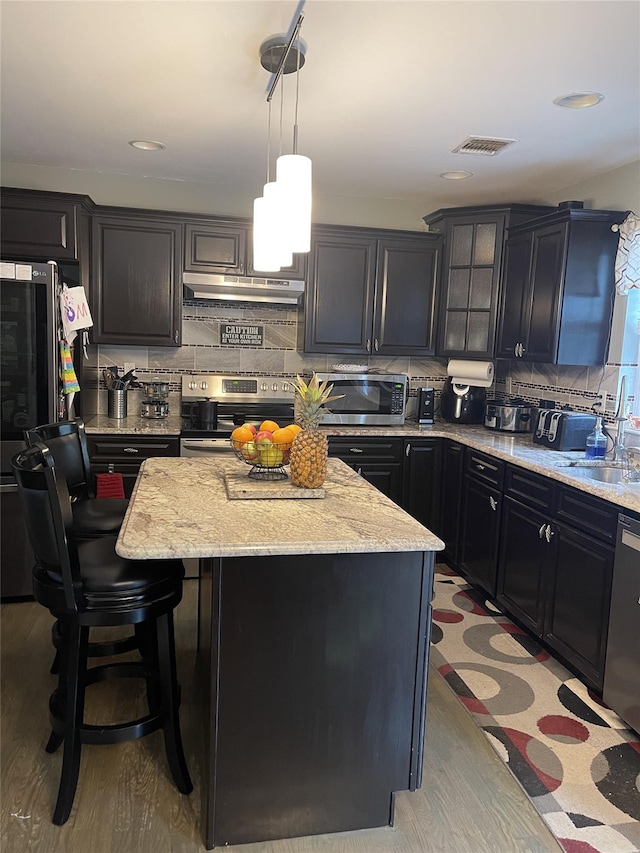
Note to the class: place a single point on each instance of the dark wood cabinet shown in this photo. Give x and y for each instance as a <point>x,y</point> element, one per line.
<point>450,499</point>
<point>137,281</point>
<point>225,246</point>
<point>124,454</point>
<point>421,480</point>
<point>471,274</point>
<point>378,460</point>
<point>43,226</point>
<point>480,526</point>
<point>371,292</point>
<point>556,566</point>
<point>558,288</point>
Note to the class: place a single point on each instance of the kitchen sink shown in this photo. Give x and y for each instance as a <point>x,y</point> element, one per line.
<point>607,474</point>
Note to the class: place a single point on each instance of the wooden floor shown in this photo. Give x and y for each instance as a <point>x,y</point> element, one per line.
<point>468,803</point>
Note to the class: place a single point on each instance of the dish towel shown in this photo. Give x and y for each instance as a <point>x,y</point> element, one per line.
<point>109,486</point>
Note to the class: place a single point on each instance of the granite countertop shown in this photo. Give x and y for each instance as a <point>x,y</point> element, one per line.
<point>518,448</point>
<point>180,508</point>
<point>134,425</point>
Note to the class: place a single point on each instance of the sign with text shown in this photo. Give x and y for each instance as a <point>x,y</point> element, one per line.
<point>235,335</point>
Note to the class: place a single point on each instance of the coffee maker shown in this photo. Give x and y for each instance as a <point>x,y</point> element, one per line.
<point>462,404</point>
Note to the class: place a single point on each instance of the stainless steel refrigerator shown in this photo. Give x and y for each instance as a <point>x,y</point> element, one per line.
<point>30,394</point>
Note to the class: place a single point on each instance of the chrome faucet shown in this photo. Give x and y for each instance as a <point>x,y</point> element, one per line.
<point>619,451</point>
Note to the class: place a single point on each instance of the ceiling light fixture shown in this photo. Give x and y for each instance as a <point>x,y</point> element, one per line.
<point>282,216</point>
<point>579,100</point>
<point>456,176</point>
<point>147,145</point>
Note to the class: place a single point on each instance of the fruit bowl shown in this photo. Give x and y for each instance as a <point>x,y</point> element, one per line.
<point>267,460</point>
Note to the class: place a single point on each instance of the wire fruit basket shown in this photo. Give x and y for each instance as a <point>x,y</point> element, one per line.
<point>267,459</point>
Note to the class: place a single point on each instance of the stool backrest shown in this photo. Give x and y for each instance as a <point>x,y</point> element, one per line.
<point>67,442</point>
<point>46,506</point>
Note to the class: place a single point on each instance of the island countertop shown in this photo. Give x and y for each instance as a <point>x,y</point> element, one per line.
<point>180,508</point>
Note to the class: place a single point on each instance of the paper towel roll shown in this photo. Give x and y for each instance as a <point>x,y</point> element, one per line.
<point>465,372</point>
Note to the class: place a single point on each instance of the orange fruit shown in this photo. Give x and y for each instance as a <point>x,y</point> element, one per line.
<point>282,436</point>
<point>269,426</point>
<point>294,428</point>
<point>240,435</point>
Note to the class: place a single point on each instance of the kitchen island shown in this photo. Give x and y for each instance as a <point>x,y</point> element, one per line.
<point>314,626</point>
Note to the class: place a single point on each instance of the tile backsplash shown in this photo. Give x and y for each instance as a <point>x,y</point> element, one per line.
<point>202,351</point>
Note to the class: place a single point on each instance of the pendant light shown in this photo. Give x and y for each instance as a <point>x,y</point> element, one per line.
<point>282,218</point>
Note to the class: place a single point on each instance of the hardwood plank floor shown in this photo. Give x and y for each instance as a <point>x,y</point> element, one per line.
<point>468,803</point>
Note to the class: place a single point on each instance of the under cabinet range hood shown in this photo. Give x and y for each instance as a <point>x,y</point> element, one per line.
<point>233,288</point>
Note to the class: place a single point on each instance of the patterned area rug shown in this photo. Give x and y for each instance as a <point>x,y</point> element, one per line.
<point>576,760</point>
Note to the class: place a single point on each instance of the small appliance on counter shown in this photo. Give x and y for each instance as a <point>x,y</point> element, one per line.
<point>155,403</point>
<point>558,429</point>
<point>463,404</point>
<point>425,409</point>
<point>514,415</point>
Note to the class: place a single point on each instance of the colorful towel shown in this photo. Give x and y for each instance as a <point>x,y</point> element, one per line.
<point>67,373</point>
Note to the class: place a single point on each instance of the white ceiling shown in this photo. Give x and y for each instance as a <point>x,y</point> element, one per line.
<point>388,89</point>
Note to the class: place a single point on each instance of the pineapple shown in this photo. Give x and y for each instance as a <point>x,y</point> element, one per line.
<point>309,451</point>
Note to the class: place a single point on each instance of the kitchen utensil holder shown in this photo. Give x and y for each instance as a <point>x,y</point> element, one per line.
<point>117,403</point>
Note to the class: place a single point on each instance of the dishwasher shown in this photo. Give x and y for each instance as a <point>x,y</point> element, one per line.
<point>621,689</point>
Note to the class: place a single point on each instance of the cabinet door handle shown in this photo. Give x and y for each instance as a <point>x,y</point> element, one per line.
<point>541,531</point>
<point>407,450</point>
<point>375,344</point>
<point>480,467</point>
<point>130,450</point>
<point>368,344</point>
<point>493,503</point>
<point>515,350</point>
<point>522,350</point>
<point>359,472</point>
<point>548,533</point>
<point>176,336</point>
<point>356,450</point>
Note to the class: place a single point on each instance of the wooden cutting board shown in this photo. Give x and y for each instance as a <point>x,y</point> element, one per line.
<point>241,487</point>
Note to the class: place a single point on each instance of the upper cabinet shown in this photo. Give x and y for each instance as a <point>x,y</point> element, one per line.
<point>137,280</point>
<point>225,246</point>
<point>471,274</point>
<point>371,292</point>
<point>43,226</point>
<point>558,288</point>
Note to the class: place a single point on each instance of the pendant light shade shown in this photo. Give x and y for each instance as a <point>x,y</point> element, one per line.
<point>293,174</point>
<point>282,217</point>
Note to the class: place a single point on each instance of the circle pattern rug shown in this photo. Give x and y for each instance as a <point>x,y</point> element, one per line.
<point>575,758</point>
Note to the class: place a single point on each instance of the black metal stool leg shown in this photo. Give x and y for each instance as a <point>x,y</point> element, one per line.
<point>76,665</point>
<point>169,689</point>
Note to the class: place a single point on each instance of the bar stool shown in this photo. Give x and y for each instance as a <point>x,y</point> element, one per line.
<point>92,517</point>
<point>84,584</point>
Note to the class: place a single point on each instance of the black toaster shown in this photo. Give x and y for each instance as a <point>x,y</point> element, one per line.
<point>561,430</point>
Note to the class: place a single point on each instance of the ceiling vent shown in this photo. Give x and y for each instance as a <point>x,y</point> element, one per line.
<point>485,145</point>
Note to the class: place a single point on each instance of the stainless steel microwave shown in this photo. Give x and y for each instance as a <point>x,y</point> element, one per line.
<point>369,399</point>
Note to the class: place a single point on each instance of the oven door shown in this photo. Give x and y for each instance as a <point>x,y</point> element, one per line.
<point>204,446</point>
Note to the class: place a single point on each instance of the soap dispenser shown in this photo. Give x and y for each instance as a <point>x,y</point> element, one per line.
<point>596,442</point>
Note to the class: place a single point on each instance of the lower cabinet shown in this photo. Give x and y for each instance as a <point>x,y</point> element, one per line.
<point>556,566</point>
<point>378,460</point>
<point>421,480</point>
<point>480,521</point>
<point>450,500</point>
<point>124,454</point>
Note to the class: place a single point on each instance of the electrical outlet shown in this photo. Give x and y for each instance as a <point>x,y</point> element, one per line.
<point>129,365</point>
<point>601,401</point>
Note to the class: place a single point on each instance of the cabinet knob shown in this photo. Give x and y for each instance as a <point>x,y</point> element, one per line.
<point>480,467</point>
<point>548,533</point>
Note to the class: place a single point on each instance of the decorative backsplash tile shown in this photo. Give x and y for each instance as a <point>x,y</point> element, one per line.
<point>202,351</point>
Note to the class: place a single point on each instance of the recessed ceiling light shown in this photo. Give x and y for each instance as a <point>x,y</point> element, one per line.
<point>147,145</point>
<point>456,176</point>
<point>579,100</point>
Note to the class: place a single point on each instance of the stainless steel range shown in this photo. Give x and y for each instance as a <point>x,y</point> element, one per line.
<point>213,405</point>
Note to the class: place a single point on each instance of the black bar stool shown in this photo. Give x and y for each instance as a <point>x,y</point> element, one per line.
<point>85,584</point>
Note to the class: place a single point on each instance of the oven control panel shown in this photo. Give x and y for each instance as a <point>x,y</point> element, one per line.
<point>214,386</point>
